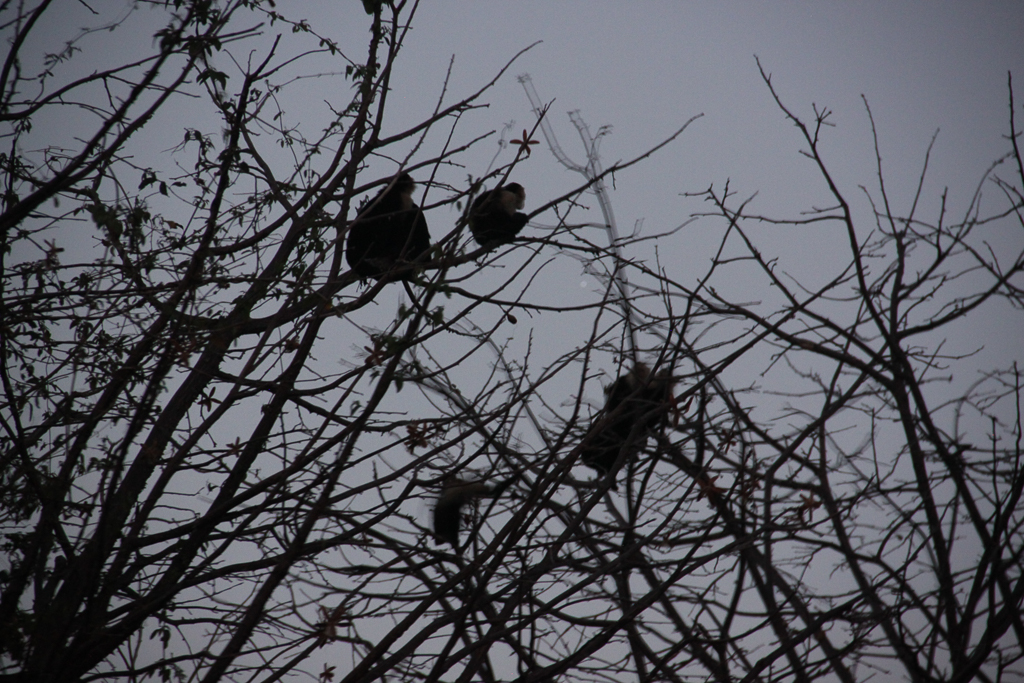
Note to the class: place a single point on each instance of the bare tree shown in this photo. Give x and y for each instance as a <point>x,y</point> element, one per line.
<point>222,447</point>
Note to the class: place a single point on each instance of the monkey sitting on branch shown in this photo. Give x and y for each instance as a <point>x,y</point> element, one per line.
<point>455,494</point>
<point>494,218</point>
<point>635,404</point>
<point>390,230</point>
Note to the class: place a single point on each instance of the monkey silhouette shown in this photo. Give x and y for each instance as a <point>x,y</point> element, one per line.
<point>493,216</point>
<point>635,404</point>
<point>389,230</point>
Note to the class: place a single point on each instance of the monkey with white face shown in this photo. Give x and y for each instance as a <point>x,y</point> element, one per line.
<point>494,218</point>
<point>389,230</point>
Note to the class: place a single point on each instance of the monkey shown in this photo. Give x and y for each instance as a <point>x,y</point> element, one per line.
<point>634,406</point>
<point>493,217</point>
<point>389,229</point>
<point>448,510</point>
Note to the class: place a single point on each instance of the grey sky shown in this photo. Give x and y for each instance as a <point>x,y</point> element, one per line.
<point>645,68</point>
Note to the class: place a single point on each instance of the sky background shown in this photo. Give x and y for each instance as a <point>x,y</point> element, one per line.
<point>644,68</point>
<point>925,68</point>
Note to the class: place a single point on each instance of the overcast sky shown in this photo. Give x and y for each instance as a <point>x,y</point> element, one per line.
<point>644,68</point>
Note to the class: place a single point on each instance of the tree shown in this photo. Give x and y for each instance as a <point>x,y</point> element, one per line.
<point>221,447</point>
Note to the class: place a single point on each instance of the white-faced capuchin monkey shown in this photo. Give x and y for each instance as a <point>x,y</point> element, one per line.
<point>390,230</point>
<point>635,404</point>
<point>494,218</point>
<point>455,494</point>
